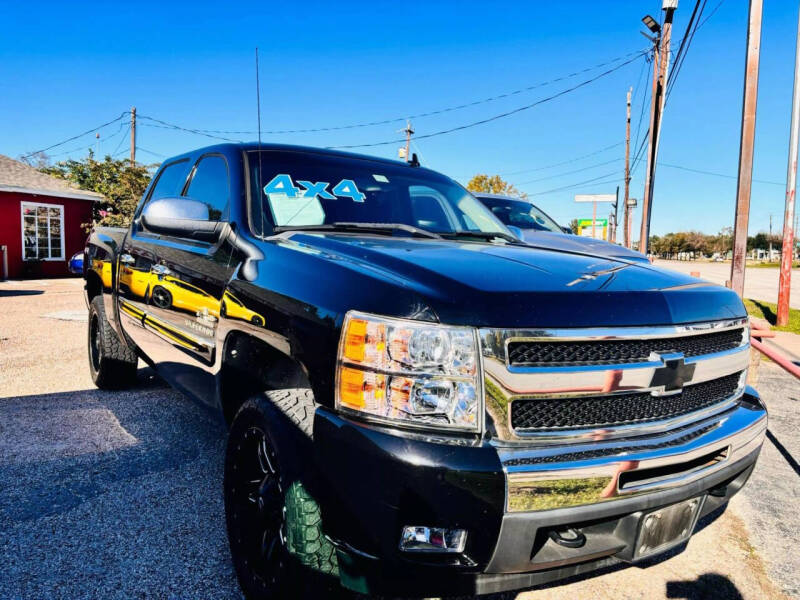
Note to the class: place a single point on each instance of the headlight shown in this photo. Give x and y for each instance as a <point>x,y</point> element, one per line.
<point>408,371</point>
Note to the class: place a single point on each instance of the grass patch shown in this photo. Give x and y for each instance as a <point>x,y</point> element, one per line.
<point>769,311</point>
<point>770,265</point>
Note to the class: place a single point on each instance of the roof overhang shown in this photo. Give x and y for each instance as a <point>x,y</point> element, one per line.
<point>76,195</point>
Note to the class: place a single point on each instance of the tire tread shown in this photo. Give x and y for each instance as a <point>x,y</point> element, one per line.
<point>118,362</point>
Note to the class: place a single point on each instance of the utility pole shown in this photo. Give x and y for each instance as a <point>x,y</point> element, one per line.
<point>748,134</point>
<point>408,131</point>
<point>627,211</point>
<point>133,135</point>
<point>613,220</point>
<point>770,238</point>
<point>787,251</point>
<point>661,55</point>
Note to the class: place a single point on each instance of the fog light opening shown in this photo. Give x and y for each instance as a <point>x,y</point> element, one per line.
<point>415,538</point>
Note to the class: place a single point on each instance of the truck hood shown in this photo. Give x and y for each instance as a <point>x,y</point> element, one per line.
<point>576,243</point>
<point>500,285</point>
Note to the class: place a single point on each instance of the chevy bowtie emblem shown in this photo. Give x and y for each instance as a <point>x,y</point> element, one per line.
<point>671,378</point>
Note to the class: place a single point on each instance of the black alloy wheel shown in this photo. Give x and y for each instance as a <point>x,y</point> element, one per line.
<point>255,502</point>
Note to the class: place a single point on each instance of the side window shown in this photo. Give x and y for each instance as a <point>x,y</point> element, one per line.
<point>210,185</point>
<point>170,181</point>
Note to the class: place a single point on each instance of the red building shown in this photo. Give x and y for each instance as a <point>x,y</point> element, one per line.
<point>41,220</point>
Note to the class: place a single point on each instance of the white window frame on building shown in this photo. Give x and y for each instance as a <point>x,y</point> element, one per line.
<point>43,221</point>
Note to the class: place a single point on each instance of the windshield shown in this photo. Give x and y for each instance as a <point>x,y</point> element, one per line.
<point>520,213</point>
<point>297,189</point>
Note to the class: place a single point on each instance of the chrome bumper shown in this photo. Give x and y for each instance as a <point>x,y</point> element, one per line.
<point>548,477</point>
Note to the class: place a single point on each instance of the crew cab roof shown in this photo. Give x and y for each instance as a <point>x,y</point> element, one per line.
<point>232,147</point>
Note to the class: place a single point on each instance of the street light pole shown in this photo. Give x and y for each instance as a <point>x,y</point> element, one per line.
<point>661,68</point>
<point>627,211</point>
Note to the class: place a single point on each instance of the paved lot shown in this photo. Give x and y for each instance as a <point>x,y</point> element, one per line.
<point>118,495</point>
<point>759,284</point>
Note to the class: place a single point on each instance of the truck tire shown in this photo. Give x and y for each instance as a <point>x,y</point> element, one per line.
<point>112,363</point>
<point>274,526</point>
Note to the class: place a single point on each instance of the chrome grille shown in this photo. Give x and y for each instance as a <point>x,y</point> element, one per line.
<point>576,385</point>
<point>609,352</point>
<point>619,409</point>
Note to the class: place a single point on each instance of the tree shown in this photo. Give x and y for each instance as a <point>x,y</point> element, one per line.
<point>493,184</point>
<point>121,184</point>
<point>37,160</point>
<point>573,224</point>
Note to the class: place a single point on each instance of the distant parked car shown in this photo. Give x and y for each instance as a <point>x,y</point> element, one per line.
<point>538,229</point>
<point>75,265</point>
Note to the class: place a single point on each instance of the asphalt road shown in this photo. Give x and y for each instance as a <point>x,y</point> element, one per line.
<point>118,494</point>
<point>759,284</point>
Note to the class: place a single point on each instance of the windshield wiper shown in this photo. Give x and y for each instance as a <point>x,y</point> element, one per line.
<point>377,228</point>
<point>484,235</point>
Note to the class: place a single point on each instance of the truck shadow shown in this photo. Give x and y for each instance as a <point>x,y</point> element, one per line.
<point>708,585</point>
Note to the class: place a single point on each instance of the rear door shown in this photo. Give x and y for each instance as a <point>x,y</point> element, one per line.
<point>188,285</point>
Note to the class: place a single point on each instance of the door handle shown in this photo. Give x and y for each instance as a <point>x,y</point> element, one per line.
<point>160,270</point>
<point>126,259</point>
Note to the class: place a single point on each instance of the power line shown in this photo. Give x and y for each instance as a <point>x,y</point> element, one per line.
<point>501,115</point>
<point>608,162</point>
<point>75,137</point>
<point>614,174</point>
<point>121,140</point>
<point>683,49</point>
<point>164,125</point>
<point>702,172</point>
<point>146,151</point>
<point>711,14</point>
<point>562,163</point>
<point>70,151</point>
<point>214,132</point>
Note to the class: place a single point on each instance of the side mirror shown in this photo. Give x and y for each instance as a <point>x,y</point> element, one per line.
<point>567,230</point>
<point>181,217</point>
<point>516,231</point>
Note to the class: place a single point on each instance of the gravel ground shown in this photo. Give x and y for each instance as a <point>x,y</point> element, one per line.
<point>118,494</point>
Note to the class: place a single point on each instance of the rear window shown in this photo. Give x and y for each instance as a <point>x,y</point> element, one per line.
<point>170,180</point>
<point>210,185</point>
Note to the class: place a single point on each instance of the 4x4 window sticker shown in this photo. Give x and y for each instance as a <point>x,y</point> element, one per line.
<point>282,184</point>
<point>282,194</point>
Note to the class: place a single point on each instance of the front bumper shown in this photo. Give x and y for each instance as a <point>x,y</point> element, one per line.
<point>508,498</point>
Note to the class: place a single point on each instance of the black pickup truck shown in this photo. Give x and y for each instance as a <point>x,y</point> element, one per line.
<point>419,403</point>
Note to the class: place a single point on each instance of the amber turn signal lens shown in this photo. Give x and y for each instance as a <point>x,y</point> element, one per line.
<point>355,339</point>
<point>351,388</point>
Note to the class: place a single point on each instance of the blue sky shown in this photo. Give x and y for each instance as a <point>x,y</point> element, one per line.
<point>66,68</point>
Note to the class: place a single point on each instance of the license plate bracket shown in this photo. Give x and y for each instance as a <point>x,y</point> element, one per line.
<point>664,528</point>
